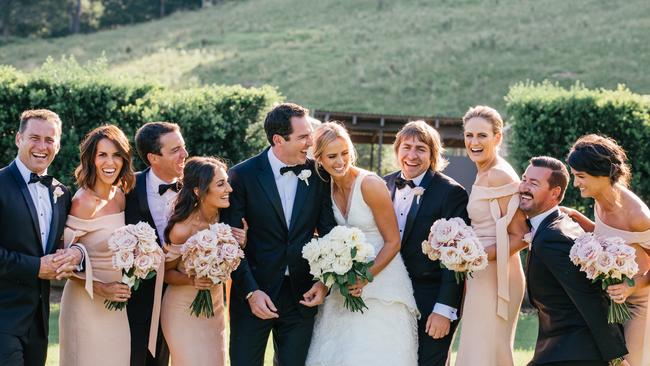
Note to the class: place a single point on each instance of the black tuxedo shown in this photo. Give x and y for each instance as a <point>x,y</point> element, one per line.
<point>24,298</point>
<point>442,198</point>
<point>141,302</point>
<point>271,248</point>
<point>572,311</point>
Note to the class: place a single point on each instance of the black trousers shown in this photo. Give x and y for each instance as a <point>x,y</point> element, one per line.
<point>27,350</point>
<point>433,352</point>
<point>139,310</point>
<point>571,363</point>
<point>249,334</point>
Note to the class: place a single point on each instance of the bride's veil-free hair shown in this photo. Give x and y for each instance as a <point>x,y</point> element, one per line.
<point>326,134</point>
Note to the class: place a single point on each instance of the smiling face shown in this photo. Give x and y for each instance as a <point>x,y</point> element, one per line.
<point>413,157</point>
<point>38,144</point>
<point>169,164</point>
<point>108,162</point>
<point>336,157</point>
<point>480,140</point>
<point>293,151</point>
<point>589,185</point>
<point>218,195</point>
<point>535,193</point>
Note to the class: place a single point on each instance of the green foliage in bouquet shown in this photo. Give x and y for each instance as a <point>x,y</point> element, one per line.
<point>547,119</point>
<point>121,305</point>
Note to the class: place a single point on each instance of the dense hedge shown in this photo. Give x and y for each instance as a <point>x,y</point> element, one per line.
<point>215,120</point>
<point>547,119</point>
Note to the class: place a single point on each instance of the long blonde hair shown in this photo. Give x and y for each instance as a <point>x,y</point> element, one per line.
<point>327,133</point>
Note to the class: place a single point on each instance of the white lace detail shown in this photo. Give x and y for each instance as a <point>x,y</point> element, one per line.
<point>386,333</point>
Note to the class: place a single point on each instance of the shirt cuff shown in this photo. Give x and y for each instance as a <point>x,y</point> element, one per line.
<point>446,311</point>
<point>80,266</point>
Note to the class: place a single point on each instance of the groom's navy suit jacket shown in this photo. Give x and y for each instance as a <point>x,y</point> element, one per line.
<point>442,198</point>
<point>22,293</point>
<point>572,310</point>
<point>271,245</point>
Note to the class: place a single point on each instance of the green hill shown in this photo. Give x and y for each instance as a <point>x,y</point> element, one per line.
<point>401,57</point>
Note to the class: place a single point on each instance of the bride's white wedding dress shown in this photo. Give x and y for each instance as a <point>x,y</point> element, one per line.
<point>386,332</point>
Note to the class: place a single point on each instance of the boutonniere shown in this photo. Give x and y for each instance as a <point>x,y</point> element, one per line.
<point>418,192</point>
<point>58,192</point>
<point>528,238</point>
<point>304,175</point>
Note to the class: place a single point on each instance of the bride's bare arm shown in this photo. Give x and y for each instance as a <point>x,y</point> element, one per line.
<point>376,195</point>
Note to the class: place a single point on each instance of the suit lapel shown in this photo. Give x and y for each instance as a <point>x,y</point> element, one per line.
<point>415,206</point>
<point>299,202</point>
<point>143,202</point>
<point>542,226</point>
<point>267,182</point>
<point>28,201</point>
<point>390,183</point>
<point>54,223</point>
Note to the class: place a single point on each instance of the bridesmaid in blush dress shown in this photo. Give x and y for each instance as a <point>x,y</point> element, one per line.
<point>600,171</point>
<point>493,296</point>
<point>195,341</point>
<point>90,334</point>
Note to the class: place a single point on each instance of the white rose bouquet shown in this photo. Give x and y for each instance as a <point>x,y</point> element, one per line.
<point>609,260</point>
<point>211,253</point>
<point>137,254</point>
<point>341,257</point>
<point>456,246</point>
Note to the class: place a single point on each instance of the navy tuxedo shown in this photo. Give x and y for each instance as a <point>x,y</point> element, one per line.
<point>442,198</point>
<point>24,298</point>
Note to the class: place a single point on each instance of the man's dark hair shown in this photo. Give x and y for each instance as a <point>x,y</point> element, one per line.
<point>559,173</point>
<point>278,120</point>
<point>147,138</point>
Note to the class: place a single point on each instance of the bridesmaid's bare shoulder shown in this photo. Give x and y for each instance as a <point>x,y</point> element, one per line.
<point>84,204</point>
<point>638,213</point>
<point>501,175</point>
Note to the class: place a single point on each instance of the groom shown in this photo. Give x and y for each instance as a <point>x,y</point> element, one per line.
<point>283,201</point>
<point>33,212</point>
<point>422,195</point>
<point>573,328</point>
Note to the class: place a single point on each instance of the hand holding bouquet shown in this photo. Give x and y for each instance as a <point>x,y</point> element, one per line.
<point>609,260</point>
<point>213,254</point>
<point>456,246</point>
<point>341,257</point>
<point>137,254</point>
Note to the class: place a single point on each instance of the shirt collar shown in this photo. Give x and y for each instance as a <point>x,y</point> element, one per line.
<point>276,163</point>
<point>155,181</point>
<point>24,170</point>
<point>417,180</point>
<point>535,221</point>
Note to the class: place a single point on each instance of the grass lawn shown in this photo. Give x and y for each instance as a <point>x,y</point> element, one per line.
<point>401,57</point>
<point>524,340</point>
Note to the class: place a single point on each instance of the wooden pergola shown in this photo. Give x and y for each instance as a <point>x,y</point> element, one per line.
<point>380,129</point>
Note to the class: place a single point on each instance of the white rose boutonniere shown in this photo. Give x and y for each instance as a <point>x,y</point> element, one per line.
<point>418,192</point>
<point>58,192</point>
<point>304,175</point>
<point>528,238</point>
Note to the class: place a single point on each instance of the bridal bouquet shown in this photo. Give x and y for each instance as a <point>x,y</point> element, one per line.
<point>341,257</point>
<point>609,260</point>
<point>211,253</point>
<point>456,246</point>
<point>136,253</point>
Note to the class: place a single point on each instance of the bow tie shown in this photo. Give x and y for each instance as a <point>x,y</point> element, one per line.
<point>164,187</point>
<point>530,225</point>
<point>45,180</point>
<point>296,169</point>
<point>401,183</point>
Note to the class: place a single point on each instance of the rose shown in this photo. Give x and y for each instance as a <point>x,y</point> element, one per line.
<point>123,260</point>
<point>122,240</point>
<point>591,272</point>
<point>342,265</point>
<point>450,256</point>
<point>365,252</point>
<point>231,252</point>
<point>304,175</point>
<point>468,249</point>
<point>629,268</point>
<point>604,263</point>
<point>143,232</point>
<point>589,252</point>
<point>528,238</point>
<point>479,263</point>
<point>143,265</point>
<point>445,231</point>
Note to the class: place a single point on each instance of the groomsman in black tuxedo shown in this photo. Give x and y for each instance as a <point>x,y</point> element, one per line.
<point>421,195</point>
<point>283,201</point>
<point>33,211</point>
<point>573,328</point>
<point>161,146</point>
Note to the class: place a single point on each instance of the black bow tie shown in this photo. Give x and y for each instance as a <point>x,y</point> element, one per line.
<point>530,225</point>
<point>401,183</point>
<point>296,169</point>
<point>45,180</point>
<point>164,187</point>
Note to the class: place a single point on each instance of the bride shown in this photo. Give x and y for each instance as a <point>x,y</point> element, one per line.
<point>386,333</point>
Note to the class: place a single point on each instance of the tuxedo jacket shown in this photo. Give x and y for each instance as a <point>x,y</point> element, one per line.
<point>443,198</point>
<point>22,293</point>
<point>136,210</point>
<point>271,245</point>
<point>572,310</point>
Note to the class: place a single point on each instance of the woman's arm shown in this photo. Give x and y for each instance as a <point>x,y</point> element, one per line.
<point>585,223</point>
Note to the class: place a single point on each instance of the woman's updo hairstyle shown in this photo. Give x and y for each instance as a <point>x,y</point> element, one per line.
<point>600,156</point>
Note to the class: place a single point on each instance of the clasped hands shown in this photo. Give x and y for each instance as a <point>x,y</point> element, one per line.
<point>60,264</point>
<point>262,306</point>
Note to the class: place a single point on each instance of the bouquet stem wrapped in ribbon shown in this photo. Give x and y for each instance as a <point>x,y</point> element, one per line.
<point>341,257</point>
<point>456,246</point>
<point>137,254</point>
<point>211,253</point>
<point>609,260</point>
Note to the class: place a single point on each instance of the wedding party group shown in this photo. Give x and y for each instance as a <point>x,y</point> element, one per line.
<point>339,265</point>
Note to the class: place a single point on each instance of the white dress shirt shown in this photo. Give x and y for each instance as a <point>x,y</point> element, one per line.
<point>535,221</point>
<point>41,199</point>
<point>402,203</point>
<point>160,206</point>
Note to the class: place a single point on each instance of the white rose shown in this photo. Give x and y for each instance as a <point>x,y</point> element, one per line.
<point>591,271</point>
<point>450,256</point>
<point>311,251</point>
<point>605,262</point>
<point>143,232</point>
<point>468,249</point>
<point>121,240</point>
<point>123,260</point>
<point>231,252</point>
<point>445,231</point>
<point>143,265</point>
<point>479,264</point>
<point>589,251</point>
<point>342,266</point>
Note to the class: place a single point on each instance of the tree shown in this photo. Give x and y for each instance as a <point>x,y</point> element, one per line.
<point>75,17</point>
